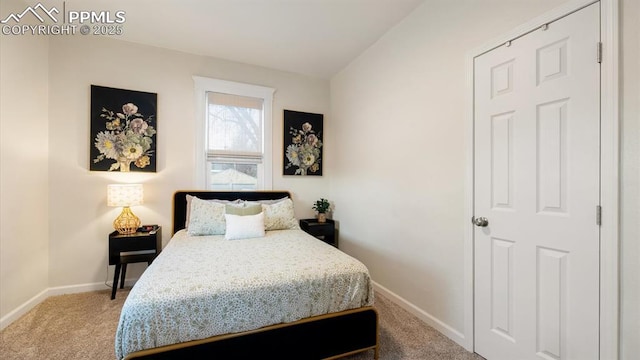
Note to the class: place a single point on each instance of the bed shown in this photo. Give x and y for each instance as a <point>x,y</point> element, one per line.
<point>284,295</point>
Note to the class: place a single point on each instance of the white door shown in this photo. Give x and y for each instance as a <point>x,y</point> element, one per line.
<point>536,165</point>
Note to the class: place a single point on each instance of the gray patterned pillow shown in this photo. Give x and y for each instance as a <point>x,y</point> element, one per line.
<point>280,216</point>
<point>206,218</point>
<point>190,197</point>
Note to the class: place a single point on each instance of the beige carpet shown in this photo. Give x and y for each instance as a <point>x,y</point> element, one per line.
<point>82,326</point>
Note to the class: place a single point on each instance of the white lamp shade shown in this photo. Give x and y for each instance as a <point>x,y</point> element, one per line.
<point>124,194</point>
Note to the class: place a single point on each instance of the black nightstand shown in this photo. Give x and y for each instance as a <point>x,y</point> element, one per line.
<point>324,231</point>
<point>126,249</point>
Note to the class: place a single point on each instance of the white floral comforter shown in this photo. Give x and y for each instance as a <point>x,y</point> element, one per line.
<point>202,286</point>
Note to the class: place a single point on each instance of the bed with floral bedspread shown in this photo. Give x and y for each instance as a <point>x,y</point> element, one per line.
<point>201,287</point>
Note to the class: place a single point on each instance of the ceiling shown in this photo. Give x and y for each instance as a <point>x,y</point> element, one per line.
<point>312,37</point>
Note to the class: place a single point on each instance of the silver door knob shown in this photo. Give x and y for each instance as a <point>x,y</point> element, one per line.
<point>481,221</point>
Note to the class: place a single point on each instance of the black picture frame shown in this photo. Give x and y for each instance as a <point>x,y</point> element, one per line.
<point>123,130</point>
<point>303,143</point>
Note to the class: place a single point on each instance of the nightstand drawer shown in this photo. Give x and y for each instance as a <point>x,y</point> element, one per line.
<point>317,229</point>
<point>325,231</point>
<point>134,242</point>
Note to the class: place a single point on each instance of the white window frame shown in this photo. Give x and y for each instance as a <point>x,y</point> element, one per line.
<point>203,85</point>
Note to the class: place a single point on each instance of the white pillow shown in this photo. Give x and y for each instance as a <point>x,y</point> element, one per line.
<point>244,226</point>
<point>206,218</point>
<point>280,216</point>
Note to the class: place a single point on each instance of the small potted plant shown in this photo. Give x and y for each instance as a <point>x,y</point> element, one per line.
<point>322,207</point>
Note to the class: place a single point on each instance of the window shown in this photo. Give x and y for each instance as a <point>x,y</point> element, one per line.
<point>233,135</point>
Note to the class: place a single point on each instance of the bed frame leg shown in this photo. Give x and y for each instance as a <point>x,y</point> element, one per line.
<point>375,353</point>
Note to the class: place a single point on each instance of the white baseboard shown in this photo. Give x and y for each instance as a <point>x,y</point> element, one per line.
<point>23,309</point>
<point>74,289</point>
<point>54,291</point>
<point>431,320</point>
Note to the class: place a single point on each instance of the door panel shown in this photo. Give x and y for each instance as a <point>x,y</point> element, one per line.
<point>536,135</point>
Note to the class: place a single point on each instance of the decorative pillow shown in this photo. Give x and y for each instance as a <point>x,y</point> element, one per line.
<point>271,202</point>
<point>280,216</point>
<point>206,218</point>
<point>188,212</point>
<point>243,209</point>
<point>263,202</point>
<point>244,227</point>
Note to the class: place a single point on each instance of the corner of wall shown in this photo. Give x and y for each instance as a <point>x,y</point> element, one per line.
<point>24,153</point>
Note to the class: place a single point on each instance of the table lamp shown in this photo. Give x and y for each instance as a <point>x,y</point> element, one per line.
<point>125,195</point>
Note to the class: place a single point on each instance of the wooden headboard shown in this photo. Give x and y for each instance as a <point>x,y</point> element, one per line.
<point>180,201</point>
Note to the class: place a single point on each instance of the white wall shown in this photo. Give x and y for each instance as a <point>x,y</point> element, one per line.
<point>630,179</point>
<point>398,122</point>
<point>24,217</point>
<point>80,219</point>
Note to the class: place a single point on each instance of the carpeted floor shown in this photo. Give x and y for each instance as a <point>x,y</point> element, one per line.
<point>82,326</point>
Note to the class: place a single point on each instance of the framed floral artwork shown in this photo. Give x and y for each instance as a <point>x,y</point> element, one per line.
<point>123,130</point>
<point>302,143</point>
